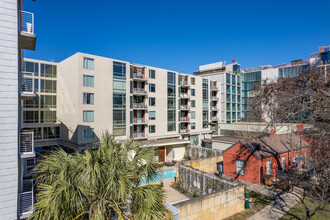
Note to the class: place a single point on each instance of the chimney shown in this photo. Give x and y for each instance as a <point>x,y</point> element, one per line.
<point>272,133</point>
<point>300,128</point>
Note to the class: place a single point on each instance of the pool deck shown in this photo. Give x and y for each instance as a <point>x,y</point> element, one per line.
<point>173,196</point>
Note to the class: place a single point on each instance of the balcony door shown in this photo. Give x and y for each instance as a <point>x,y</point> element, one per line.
<point>161,154</point>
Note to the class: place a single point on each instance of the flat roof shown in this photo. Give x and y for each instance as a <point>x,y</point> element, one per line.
<point>163,142</point>
<point>230,139</point>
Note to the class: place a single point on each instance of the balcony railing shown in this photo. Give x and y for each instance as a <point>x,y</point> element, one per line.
<point>139,77</point>
<point>214,98</point>
<point>184,83</point>
<point>26,22</point>
<point>27,82</point>
<point>214,108</point>
<point>139,91</point>
<point>26,142</point>
<point>26,199</point>
<point>214,88</point>
<point>184,119</point>
<point>184,107</point>
<point>139,105</point>
<point>215,118</point>
<point>184,131</point>
<point>139,120</point>
<point>139,135</point>
<point>183,95</point>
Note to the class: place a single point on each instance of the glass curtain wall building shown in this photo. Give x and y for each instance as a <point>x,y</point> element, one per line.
<point>249,80</point>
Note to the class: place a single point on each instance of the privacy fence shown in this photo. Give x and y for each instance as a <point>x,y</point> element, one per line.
<point>199,183</point>
<point>194,152</point>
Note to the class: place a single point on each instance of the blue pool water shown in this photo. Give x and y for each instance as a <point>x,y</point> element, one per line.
<point>166,175</point>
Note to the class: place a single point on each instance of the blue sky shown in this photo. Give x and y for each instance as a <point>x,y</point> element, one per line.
<point>181,35</point>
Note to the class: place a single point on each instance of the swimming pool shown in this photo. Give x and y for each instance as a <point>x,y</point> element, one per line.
<point>166,175</point>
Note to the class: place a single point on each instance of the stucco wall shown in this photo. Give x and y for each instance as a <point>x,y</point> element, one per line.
<point>215,206</point>
<point>208,165</point>
<point>220,145</point>
<point>179,151</point>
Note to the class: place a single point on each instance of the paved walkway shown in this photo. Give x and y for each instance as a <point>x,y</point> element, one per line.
<point>282,202</point>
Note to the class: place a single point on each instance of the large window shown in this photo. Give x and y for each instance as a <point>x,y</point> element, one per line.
<point>193,126</point>
<point>171,90</point>
<point>152,74</point>
<point>171,120</point>
<point>170,78</point>
<point>119,130</point>
<point>47,101</point>
<point>152,87</point>
<point>47,86</point>
<point>88,98</point>
<point>240,167</point>
<point>30,116</point>
<point>269,167</point>
<point>119,100</point>
<point>193,103</point>
<point>88,63</point>
<point>88,116</point>
<point>119,116</point>
<point>119,69</point>
<point>152,101</point>
<point>192,92</point>
<point>47,116</point>
<point>193,115</point>
<point>152,115</point>
<point>171,103</point>
<point>88,81</point>
<point>31,103</point>
<point>47,70</point>
<point>51,132</point>
<point>89,133</point>
<point>31,67</point>
<point>152,128</point>
<point>119,85</point>
<point>192,81</point>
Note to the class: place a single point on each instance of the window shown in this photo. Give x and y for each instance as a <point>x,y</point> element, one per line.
<point>205,124</point>
<point>227,78</point>
<point>193,126</point>
<point>47,116</point>
<point>119,100</point>
<point>119,85</point>
<point>171,120</point>
<point>119,69</point>
<point>119,130</point>
<point>269,167</point>
<point>88,63</point>
<point>89,133</point>
<point>152,128</point>
<point>152,115</point>
<point>30,117</point>
<point>88,98</point>
<point>152,74</point>
<point>193,103</point>
<point>205,115</point>
<point>170,78</point>
<point>31,103</point>
<point>88,116</point>
<point>152,101</point>
<point>240,167</point>
<point>47,101</point>
<point>171,90</point>
<point>31,67</point>
<point>193,115</point>
<point>47,70</point>
<point>192,81</point>
<point>51,132</point>
<point>47,86</point>
<point>88,81</point>
<point>152,87</point>
<point>119,116</point>
<point>192,92</point>
<point>283,163</point>
<point>205,84</point>
<point>171,103</point>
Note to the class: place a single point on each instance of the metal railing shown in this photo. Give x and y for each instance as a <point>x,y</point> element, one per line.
<point>26,142</point>
<point>214,108</point>
<point>184,131</point>
<point>215,98</point>
<point>26,198</point>
<point>139,120</point>
<point>139,135</point>
<point>183,95</point>
<point>184,119</point>
<point>214,88</point>
<point>26,22</point>
<point>139,105</point>
<point>184,107</point>
<point>139,90</point>
<point>184,83</point>
<point>27,82</point>
<point>136,76</point>
<point>215,118</point>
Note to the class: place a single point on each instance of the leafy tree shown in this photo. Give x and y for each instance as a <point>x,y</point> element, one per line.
<point>100,183</point>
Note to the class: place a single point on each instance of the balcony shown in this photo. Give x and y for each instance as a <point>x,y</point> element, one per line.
<point>215,119</point>
<point>27,38</point>
<point>141,78</point>
<point>214,108</point>
<point>185,119</point>
<point>26,199</point>
<point>139,106</point>
<point>214,98</point>
<point>184,131</point>
<point>141,135</point>
<point>214,88</point>
<point>139,121</point>
<point>185,84</point>
<point>27,84</point>
<point>184,96</point>
<point>26,144</point>
<point>185,107</point>
<point>139,91</point>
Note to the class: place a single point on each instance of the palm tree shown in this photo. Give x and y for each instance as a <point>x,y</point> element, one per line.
<point>100,183</point>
